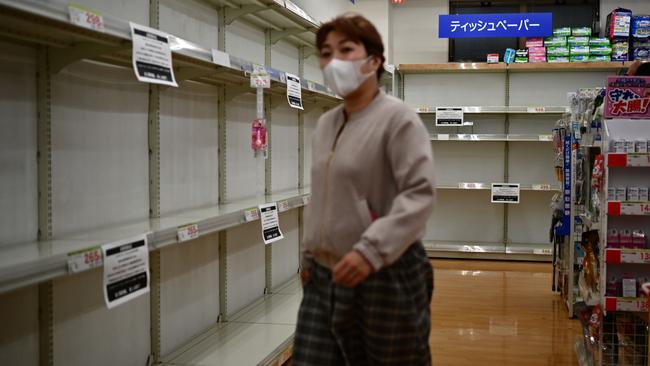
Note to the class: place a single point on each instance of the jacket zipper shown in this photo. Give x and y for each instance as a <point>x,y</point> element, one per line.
<point>330,157</point>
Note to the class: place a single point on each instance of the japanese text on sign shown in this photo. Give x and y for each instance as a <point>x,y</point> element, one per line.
<point>627,97</point>
<point>495,25</point>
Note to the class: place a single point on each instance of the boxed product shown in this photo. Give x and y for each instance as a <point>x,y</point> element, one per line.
<point>639,239</point>
<point>537,51</point>
<point>626,238</point>
<point>579,51</point>
<point>620,50</point>
<point>580,58</point>
<point>599,42</point>
<point>562,32</point>
<point>558,51</point>
<point>633,194</point>
<point>618,146</point>
<point>619,23</point>
<point>537,58</point>
<point>554,59</point>
<point>535,42</point>
<point>578,41</point>
<point>493,58</point>
<point>629,287</point>
<point>630,146</point>
<point>641,49</point>
<point>600,50</point>
<point>643,194</point>
<point>555,42</point>
<point>621,193</point>
<point>600,58</point>
<point>611,194</point>
<point>641,146</point>
<point>509,55</point>
<point>640,27</point>
<point>613,239</point>
<point>581,31</point>
<point>521,60</point>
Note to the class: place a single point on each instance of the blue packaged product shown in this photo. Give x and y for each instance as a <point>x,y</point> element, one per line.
<point>509,56</point>
<point>641,53</point>
<point>641,26</point>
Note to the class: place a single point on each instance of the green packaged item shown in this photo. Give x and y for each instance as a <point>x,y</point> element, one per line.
<point>580,58</point>
<point>555,42</point>
<point>562,32</point>
<point>558,51</point>
<point>579,51</point>
<point>594,42</point>
<point>581,31</point>
<point>578,41</point>
<point>554,59</point>
<point>602,58</point>
<point>600,50</point>
<point>521,60</point>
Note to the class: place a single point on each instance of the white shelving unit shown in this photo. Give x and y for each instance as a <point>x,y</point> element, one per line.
<point>509,112</point>
<point>95,156</point>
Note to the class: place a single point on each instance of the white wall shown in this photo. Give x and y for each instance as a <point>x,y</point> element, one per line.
<point>606,7</point>
<point>379,13</point>
<point>414,28</point>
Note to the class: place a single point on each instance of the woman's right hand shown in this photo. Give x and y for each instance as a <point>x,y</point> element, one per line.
<point>304,276</point>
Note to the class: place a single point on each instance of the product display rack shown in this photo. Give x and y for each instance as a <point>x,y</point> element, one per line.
<point>234,277</point>
<point>506,108</point>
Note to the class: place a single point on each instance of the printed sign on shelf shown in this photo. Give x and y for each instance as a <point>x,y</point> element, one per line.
<point>221,58</point>
<point>495,25</point>
<point>505,192</point>
<point>85,17</point>
<point>260,77</point>
<point>545,137</point>
<point>152,57</point>
<point>635,257</point>
<point>545,251</point>
<point>126,270</point>
<point>541,187</point>
<point>283,206</point>
<point>294,91</point>
<point>84,260</point>
<point>443,136</point>
<point>449,116</point>
<point>188,232</point>
<point>536,109</point>
<point>252,214</point>
<point>627,97</point>
<point>628,208</point>
<point>637,160</point>
<point>270,223</point>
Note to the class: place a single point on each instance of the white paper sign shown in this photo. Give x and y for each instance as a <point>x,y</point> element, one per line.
<point>294,91</point>
<point>443,136</point>
<point>85,260</point>
<point>126,270</point>
<point>188,232</point>
<point>260,78</point>
<point>86,18</point>
<point>449,116</point>
<point>505,192</point>
<point>270,223</point>
<point>221,58</point>
<point>152,57</point>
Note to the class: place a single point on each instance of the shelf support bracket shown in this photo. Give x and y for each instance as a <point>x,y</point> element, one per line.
<point>277,35</point>
<point>307,52</point>
<point>233,14</point>
<point>62,57</point>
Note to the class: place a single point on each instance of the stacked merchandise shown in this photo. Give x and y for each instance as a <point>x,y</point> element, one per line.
<point>569,45</point>
<point>630,35</point>
<point>536,50</point>
<point>640,37</point>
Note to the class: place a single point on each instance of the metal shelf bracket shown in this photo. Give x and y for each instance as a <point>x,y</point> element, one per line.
<point>62,57</point>
<point>277,35</point>
<point>233,14</point>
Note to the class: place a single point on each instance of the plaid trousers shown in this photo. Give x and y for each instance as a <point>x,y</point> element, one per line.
<point>383,321</point>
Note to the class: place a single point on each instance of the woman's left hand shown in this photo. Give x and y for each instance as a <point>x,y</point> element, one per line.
<point>351,270</point>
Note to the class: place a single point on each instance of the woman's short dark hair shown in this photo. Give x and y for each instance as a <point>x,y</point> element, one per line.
<point>359,30</point>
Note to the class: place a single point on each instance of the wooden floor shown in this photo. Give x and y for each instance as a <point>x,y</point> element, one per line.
<point>499,313</point>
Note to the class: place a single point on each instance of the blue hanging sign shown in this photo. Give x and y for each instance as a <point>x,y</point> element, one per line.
<point>495,25</point>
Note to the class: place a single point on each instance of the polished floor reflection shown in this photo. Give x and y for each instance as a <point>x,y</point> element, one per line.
<point>499,313</point>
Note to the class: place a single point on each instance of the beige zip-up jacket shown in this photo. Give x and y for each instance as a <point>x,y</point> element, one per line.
<point>376,164</point>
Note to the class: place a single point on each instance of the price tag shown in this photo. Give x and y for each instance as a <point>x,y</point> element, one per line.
<point>545,137</point>
<point>536,109</point>
<point>221,58</point>
<point>85,260</point>
<point>252,214</point>
<point>635,208</point>
<point>443,136</point>
<point>260,78</point>
<point>541,187</point>
<point>636,160</point>
<point>283,206</point>
<point>422,110</point>
<point>545,251</point>
<point>86,18</point>
<point>632,305</point>
<point>635,257</point>
<point>188,232</point>
<point>306,200</point>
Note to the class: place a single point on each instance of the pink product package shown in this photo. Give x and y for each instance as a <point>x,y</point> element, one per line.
<point>639,239</point>
<point>534,42</point>
<point>613,239</point>
<point>626,238</point>
<point>537,58</point>
<point>534,51</point>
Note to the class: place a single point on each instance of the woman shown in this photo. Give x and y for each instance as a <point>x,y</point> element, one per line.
<point>366,277</point>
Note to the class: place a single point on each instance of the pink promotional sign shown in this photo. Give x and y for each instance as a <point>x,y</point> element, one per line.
<point>627,97</point>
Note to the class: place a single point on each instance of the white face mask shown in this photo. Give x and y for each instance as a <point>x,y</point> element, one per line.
<point>344,77</point>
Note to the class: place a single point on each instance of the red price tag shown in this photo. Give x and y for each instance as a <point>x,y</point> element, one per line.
<point>636,160</point>
<point>188,232</point>
<point>86,18</point>
<point>85,260</point>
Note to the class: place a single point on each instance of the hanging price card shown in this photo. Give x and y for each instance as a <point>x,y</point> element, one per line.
<point>505,192</point>
<point>260,78</point>
<point>270,223</point>
<point>252,214</point>
<point>188,232</point>
<point>84,260</point>
<point>126,270</point>
<point>86,18</point>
